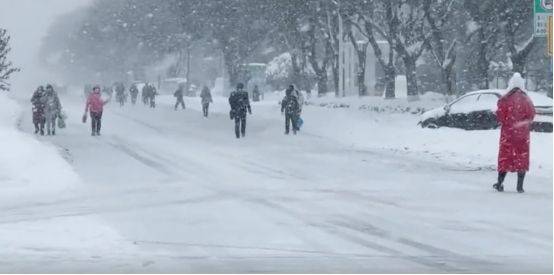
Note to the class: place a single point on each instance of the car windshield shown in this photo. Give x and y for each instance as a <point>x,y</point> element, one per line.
<point>463,104</point>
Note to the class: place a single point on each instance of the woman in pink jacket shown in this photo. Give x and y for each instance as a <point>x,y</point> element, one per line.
<point>96,105</point>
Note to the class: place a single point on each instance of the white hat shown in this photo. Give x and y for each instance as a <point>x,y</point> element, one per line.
<point>516,82</point>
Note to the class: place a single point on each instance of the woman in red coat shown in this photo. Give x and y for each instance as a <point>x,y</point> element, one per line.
<point>515,114</point>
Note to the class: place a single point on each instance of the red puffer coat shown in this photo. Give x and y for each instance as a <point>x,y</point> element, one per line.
<point>515,114</point>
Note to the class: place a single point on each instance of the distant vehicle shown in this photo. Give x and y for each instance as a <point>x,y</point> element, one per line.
<point>477,111</point>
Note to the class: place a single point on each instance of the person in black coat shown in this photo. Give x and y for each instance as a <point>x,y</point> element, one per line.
<point>240,104</point>
<point>39,103</point>
<point>291,109</point>
<point>134,93</point>
<point>179,94</point>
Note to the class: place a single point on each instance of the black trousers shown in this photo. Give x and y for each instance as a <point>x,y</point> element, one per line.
<point>240,123</point>
<point>520,178</point>
<point>290,119</point>
<point>39,120</point>
<point>205,107</point>
<point>181,102</point>
<point>95,122</point>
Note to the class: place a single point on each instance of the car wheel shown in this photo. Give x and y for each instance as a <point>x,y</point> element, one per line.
<point>429,125</point>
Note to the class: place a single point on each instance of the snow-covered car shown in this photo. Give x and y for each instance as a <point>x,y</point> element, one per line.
<point>477,111</point>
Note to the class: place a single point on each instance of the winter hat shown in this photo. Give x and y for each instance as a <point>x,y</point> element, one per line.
<point>240,86</point>
<point>516,82</point>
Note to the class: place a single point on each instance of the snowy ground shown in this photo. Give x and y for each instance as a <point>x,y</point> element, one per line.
<point>356,191</point>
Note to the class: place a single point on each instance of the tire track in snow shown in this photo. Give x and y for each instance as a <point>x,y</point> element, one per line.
<point>438,261</point>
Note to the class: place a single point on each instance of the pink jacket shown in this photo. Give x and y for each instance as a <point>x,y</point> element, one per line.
<point>95,103</point>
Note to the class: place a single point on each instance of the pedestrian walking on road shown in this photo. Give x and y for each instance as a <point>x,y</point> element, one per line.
<point>179,94</point>
<point>133,91</point>
<point>256,94</point>
<point>95,104</point>
<point>291,110</point>
<point>52,110</point>
<point>39,102</point>
<point>240,104</point>
<point>206,99</point>
<point>515,114</point>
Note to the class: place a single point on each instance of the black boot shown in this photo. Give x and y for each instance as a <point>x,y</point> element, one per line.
<point>520,177</point>
<point>498,186</point>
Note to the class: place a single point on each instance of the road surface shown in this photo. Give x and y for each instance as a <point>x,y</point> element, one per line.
<point>184,195</point>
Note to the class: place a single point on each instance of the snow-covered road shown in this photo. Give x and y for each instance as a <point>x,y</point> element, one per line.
<point>183,195</point>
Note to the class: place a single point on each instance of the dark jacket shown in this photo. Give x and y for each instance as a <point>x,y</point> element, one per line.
<point>39,102</point>
<point>240,103</point>
<point>206,96</point>
<point>133,90</point>
<point>179,93</point>
<point>290,105</point>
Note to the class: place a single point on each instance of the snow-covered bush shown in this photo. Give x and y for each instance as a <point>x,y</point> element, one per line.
<point>279,73</point>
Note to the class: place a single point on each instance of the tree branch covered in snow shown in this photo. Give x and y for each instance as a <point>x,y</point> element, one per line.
<point>436,14</point>
<point>6,67</point>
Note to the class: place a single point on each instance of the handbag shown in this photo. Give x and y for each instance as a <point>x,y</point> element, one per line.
<point>61,120</point>
<point>299,122</point>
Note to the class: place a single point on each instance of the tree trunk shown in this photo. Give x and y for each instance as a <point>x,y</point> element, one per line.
<point>322,83</point>
<point>518,64</point>
<point>390,81</point>
<point>447,80</point>
<point>362,88</point>
<point>411,78</point>
<point>232,68</point>
<point>296,78</point>
<point>335,71</point>
<point>188,70</point>
<point>483,62</point>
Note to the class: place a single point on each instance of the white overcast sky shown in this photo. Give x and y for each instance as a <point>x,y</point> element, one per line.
<point>27,22</point>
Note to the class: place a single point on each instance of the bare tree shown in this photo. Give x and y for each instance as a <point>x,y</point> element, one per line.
<point>442,50</point>
<point>319,45</point>
<point>513,16</point>
<point>486,31</point>
<point>411,40</point>
<point>377,19</point>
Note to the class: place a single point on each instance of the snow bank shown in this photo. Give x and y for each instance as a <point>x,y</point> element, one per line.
<point>28,168</point>
<point>39,201</point>
<point>399,132</point>
<point>378,104</point>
